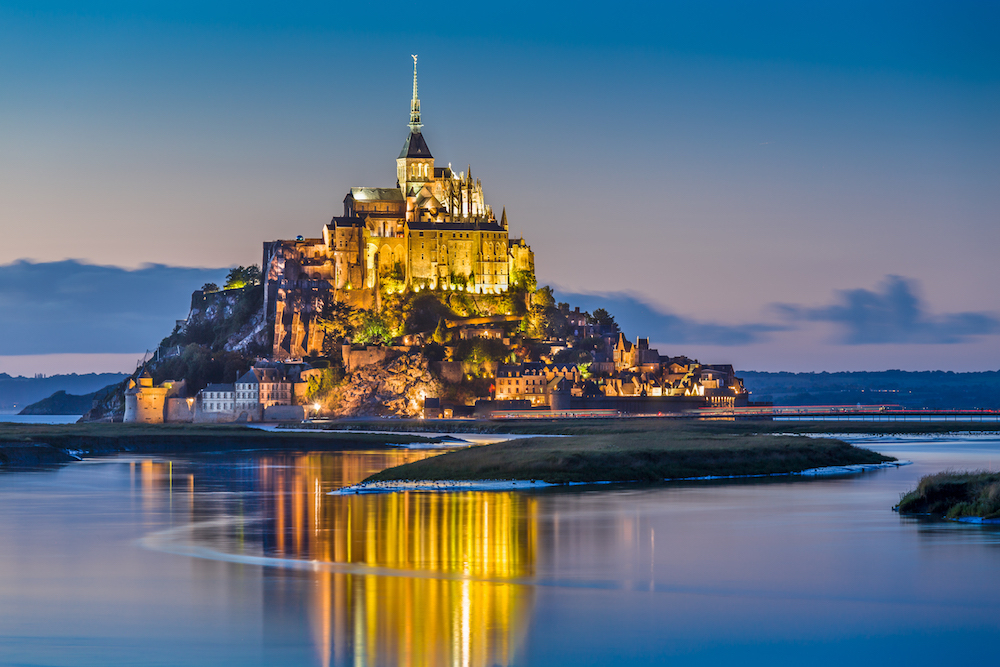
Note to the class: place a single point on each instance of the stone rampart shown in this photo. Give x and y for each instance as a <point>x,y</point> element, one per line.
<point>284,413</point>
<point>371,355</point>
<point>449,371</point>
<point>179,410</point>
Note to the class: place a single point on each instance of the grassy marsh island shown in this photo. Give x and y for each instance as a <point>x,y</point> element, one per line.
<point>955,495</point>
<point>28,445</point>
<point>672,451</point>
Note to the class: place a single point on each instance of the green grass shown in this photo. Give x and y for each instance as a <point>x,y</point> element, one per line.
<point>955,495</point>
<point>39,444</point>
<point>647,455</point>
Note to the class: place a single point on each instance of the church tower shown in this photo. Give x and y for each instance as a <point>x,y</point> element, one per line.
<point>415,164</point>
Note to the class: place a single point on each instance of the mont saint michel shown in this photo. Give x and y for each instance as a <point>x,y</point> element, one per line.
<point>662,334</point>
<point>415,300</point>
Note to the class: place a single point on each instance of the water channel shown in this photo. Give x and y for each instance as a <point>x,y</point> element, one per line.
<point>247,560</point>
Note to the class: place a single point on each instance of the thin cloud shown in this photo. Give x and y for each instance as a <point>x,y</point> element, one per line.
<point>74,307</point>
<point>893,314</point>
<point>636,317</point>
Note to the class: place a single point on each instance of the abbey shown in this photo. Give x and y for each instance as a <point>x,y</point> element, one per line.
<point>433,230</point>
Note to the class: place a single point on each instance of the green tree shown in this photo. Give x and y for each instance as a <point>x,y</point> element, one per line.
<point>524,280</point>
<point>243,276</point>
<point>543,297</point>
<point>393,282</point>
<point>319,387</point>
<point>605,321</point>
<point>475,352</point>
<point>337,319</point>
<point>208,288</point>
<point>424,313</point>
<point>372,330</point>
<point>441,334</point>
<point>544,319</point>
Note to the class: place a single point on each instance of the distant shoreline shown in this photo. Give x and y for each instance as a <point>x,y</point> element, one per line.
<point>25,445</point>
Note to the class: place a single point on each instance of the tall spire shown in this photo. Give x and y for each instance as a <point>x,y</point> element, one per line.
<point>415,124</point>
<point>415,146</point>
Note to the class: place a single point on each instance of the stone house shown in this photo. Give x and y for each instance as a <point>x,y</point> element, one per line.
<point>263,386</point>
<point>639,356</point>
<point>534,382</point>
<point>217,399</point>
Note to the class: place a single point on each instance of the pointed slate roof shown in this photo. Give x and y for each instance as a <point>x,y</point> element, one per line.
<point>415,146</point>
<point>250,377</point>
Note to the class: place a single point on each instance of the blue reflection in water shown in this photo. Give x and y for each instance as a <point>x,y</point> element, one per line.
<point>248,561</point>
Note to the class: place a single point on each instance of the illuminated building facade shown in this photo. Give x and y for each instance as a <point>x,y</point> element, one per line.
<point>433,230</point>
<point>533,382</point>
<point>148,404</point>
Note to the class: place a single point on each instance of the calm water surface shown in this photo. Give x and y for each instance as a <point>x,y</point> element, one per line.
<point>247,561</point>
<point>7,417</point>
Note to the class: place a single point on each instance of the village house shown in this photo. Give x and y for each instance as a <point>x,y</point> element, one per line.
<point>217,398</point>
<point>534,382</point>
<point>639,356</point>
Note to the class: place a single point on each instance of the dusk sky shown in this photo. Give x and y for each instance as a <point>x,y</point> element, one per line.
<point>780,186</point>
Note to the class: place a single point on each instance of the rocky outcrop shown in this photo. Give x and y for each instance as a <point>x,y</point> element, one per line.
<point>109,403</point>
<point>232,320</point>
<point>396,389</point>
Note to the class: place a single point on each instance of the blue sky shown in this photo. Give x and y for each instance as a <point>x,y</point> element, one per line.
<point>734,166</point>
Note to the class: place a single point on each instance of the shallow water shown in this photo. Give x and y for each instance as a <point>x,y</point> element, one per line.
<point>38,419</point>
<point>246,560</point>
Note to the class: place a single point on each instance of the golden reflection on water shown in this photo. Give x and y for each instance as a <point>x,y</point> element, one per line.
<point>449,604</point>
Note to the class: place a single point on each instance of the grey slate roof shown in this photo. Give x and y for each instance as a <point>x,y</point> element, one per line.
<point>471,226</point>
<point>250,377</point>
<point>415,146</point>
<point>220,387</point>
<point>338,221</point>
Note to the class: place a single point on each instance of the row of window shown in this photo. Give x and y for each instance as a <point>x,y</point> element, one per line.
<point>459,235</point>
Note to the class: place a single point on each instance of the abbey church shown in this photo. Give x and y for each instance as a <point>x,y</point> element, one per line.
<point>433,230</point>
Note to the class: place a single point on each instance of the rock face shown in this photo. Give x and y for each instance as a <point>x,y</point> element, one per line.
<point>235,317</point>
<point>109,403</point>
<point>397,389</point>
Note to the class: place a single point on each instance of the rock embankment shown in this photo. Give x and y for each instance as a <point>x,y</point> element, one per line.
<point>396,389</point>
